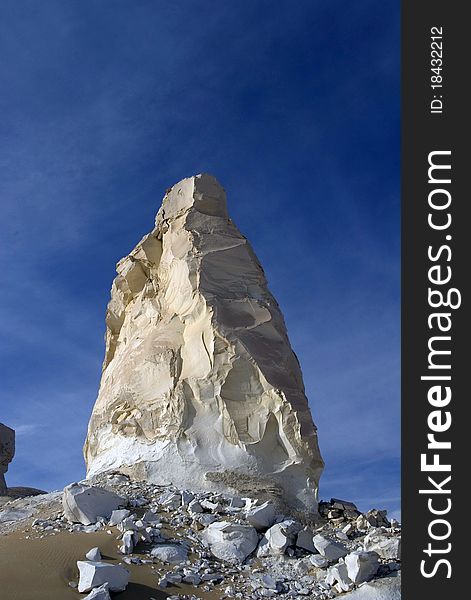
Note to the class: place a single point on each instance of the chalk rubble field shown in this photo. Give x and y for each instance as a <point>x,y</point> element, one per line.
<point>232,547</point>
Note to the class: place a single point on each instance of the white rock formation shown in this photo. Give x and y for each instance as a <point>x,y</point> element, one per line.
<point>95,573</point>
<point>200,387</point>
<point>86,504</point>
<point>7,452</point>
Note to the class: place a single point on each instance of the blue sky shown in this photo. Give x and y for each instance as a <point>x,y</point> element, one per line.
<point>294,106</point>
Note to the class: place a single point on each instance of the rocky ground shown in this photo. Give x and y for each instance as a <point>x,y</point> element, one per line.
<point>206,545</point>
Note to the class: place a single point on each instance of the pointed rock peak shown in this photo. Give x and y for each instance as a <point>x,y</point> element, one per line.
<point>202,193</point>
<point>200,387</point>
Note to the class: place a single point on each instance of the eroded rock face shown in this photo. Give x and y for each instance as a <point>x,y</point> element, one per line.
<point>7,452</point>
<point>200,387</point>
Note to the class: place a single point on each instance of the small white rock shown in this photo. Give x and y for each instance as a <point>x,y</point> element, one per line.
<point>93,554</point>
<point>170,553</point>
<point>99,593</point>
<point>117,516</point>
<point>319,561</point>
<point>127,545</point>
<point>328,548</point>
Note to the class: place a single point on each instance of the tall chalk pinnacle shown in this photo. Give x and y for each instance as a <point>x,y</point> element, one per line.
<point>200,387</point>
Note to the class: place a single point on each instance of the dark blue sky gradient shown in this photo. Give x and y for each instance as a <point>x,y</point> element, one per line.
<point>294,106</point>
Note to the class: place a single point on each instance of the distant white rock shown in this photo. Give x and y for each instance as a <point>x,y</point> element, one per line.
<point>95,573</point>
<point>231,542</point>
<point>362,566</point>
<point>15,514</point>
<point>150,517</point>
<point>348,529</point>
<point>237,502</point>
<point>86,504</point>
<point>303,566</point>
<point>187,497</point>
<point>128,524</point>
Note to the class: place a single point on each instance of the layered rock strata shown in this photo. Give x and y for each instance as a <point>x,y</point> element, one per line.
<point>200,387</point>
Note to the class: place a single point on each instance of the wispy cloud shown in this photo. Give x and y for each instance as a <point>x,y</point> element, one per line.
<point>24,429</point>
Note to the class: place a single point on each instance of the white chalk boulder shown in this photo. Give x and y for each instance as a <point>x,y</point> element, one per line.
<point>231,542</point>
<point>362,566</point>
<point>95,573</point>
<point>278,538</point>
<point>86,504</point>
<point>318,561</point>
